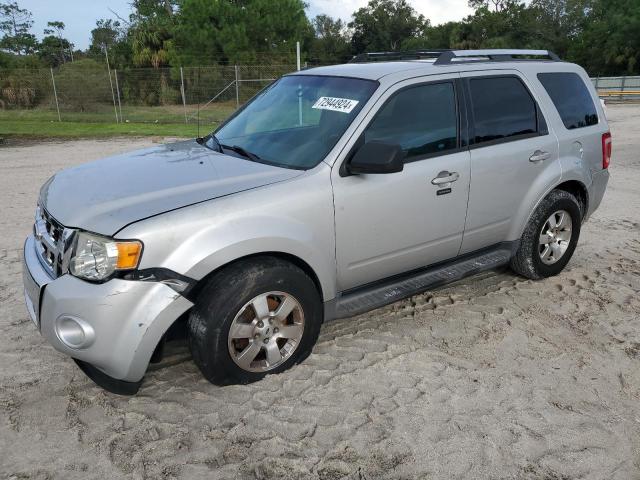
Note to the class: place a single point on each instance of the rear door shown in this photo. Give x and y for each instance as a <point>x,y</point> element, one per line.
<point>513,155</point>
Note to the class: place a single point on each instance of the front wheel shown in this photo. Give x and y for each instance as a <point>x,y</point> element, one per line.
<point>257,316</point>
<point>550,237</point>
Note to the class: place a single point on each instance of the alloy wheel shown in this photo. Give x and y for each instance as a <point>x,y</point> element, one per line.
<point>266,331</point>
<point>555,237</point>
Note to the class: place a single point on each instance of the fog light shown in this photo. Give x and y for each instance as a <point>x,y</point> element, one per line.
<point>74,332</point>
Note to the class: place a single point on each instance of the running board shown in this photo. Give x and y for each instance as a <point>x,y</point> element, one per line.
<point>383,293</point>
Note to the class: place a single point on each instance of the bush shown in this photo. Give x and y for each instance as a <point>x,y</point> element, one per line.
<point>83,84</point>
<point>23,88</point>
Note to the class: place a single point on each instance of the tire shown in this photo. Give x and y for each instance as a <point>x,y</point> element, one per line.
<point>533,260</point>
<point>232,297</point>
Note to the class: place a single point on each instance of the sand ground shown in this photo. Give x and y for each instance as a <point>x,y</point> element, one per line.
<point>495,377</point>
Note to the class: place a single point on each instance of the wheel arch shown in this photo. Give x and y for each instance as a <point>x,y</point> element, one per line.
<point>288,257</point>
<point>578,190</point>
<point>575,187</point>
<point>179,323</point>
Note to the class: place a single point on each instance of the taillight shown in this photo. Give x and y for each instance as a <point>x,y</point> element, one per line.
<point>606,150</point>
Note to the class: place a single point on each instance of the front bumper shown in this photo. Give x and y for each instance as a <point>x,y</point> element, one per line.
<point>128,318</point>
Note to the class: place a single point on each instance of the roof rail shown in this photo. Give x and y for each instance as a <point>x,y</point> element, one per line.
<point>396,56</point>
<point>493,55</point>
<point>446,57</point>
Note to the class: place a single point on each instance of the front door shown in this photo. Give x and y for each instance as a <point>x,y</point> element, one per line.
<point>388,224</point>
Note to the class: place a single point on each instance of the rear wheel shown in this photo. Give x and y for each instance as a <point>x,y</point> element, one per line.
<point>550,237</point>
<point>257,316</point>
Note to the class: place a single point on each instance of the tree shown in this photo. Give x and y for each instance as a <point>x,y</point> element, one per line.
<point>106,33</point>
<point>560,22</point>
<point>514,26</point>
<point>609,43</point>
<point>385,25</point>
<point>54,31</point>
<point>52,50</point>
<point>239,30</point>
<point>15,23</point>
<point>151,31</point>
<point>498,5</point>
<point>436,37</point>
<point>111,35</point>
<point>331,40</point>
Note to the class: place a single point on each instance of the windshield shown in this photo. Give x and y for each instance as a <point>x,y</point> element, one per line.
<point>296,121</point>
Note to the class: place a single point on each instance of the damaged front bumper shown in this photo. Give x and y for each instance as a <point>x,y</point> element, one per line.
<point>111,329</point>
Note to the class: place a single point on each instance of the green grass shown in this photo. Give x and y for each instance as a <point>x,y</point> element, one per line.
<point>100,121</point>
<point>84,129</point>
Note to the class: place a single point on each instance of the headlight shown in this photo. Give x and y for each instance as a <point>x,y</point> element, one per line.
<point>97,258</point>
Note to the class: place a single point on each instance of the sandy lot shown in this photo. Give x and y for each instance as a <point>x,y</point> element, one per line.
<point>495,377</point>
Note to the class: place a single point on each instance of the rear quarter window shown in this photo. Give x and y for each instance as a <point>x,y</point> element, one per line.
<point>571,98</point>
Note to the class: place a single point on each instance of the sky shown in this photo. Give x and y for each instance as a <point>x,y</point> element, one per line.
<point>438,11</point>
<point>79,16</point>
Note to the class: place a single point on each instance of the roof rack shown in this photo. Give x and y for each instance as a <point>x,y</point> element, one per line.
<point>396,56</point>
<point>493,55</point>
<point>447,57</point>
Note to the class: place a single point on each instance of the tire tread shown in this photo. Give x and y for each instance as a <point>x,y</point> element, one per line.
<point>523,261</point>
<point>239,279</point>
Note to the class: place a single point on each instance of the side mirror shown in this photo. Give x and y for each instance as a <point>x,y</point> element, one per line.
<point>377,157</point>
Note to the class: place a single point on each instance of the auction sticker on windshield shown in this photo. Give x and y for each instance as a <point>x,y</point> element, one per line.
<point>344,105</point>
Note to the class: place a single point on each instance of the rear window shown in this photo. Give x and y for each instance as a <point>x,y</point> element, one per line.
<point>502,109</point>
<point>571,97</point>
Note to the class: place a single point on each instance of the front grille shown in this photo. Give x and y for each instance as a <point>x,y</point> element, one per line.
<point>50,242</point>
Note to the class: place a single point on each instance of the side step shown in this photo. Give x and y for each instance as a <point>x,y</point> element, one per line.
<point>382,293</point>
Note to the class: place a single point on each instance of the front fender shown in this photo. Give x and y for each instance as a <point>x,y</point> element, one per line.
<point>269,234</point>
<point>293,217</point>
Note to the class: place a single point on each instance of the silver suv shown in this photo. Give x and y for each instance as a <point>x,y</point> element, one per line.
<point>336,190</point>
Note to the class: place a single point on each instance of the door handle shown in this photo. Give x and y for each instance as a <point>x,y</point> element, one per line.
<point>539,156</point>
<point>445,177</point>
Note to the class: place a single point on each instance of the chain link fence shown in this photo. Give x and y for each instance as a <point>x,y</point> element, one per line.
<point>86,91</point>
<point>139,95</point>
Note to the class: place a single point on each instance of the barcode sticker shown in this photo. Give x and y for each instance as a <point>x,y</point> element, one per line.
<point>344,105</point>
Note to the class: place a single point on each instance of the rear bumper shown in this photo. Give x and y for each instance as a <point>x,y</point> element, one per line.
<point>599,183</point>
<point>124,319</point>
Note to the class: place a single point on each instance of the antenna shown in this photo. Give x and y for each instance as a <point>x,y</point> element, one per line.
<point>198,114</point>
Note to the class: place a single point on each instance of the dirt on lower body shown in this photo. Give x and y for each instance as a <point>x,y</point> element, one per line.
<point>493,377</point>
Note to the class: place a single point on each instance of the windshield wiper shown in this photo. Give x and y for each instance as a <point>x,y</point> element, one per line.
<point>242,151</point>
<point>234,148</point>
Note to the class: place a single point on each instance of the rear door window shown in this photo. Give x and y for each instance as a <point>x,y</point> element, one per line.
<point>502,110</point>
<point>422,120</point>
<point>571,98</point>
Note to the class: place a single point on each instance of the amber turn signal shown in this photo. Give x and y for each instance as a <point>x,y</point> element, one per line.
<point>128,255</point>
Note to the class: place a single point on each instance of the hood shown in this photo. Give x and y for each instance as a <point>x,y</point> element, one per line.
<point>108,194</point>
